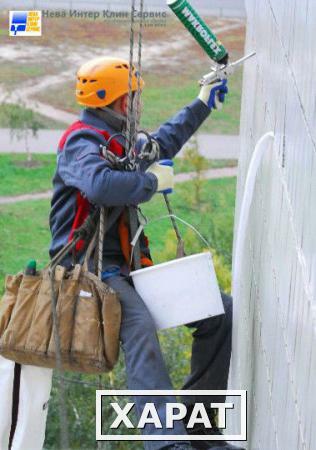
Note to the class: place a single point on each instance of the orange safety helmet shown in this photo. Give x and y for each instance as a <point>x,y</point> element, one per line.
<point>103,80</point>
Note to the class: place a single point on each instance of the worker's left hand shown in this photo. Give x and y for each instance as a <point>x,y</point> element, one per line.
<point>163,170</point>
<point>213,95</point>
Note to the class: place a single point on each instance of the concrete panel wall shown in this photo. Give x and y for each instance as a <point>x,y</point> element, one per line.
<point>274,354</point>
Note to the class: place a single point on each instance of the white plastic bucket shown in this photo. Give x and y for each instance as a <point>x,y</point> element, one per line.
<point>180,291</point>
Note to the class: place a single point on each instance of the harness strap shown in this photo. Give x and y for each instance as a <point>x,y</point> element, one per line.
<point>114,146</point>
<point>84,207</point>
<point>125,241</point>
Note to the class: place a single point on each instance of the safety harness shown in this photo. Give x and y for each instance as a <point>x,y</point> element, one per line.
<point>83,207</point>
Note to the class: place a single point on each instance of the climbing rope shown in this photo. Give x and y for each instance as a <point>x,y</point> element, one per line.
<point>101,241</point>
<point>139,72</point>
<point>133,124</point>
<point>130,124</point>
<point>100,268</point>
<point>134,103</point>
<point>133,117</point>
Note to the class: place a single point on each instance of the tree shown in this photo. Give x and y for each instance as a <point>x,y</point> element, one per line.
<point>22,121</point>
<point>200,164</point>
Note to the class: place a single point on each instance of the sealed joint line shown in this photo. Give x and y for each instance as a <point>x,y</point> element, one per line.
<point>262,146</point>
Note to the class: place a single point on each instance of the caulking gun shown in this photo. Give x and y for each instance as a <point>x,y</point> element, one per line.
<point>207,40</point>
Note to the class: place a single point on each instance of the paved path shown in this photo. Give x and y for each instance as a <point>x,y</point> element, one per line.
<point>211,146</point>
<point>25,197</point>
<point>215,146</point>
<point>211,174</point>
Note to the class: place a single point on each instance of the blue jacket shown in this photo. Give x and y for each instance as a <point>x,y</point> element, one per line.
<point>80,168</point>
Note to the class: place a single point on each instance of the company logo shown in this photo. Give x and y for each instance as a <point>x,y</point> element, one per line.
<point>25,23</point>
<point>116,420</point>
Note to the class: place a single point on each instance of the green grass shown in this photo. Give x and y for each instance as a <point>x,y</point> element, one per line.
<point>7,109</point>
<point>16,178</point>
<point>25,235</point>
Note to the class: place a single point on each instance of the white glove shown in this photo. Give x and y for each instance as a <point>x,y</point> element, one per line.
<point>164,175</point>
<point>213,95</point>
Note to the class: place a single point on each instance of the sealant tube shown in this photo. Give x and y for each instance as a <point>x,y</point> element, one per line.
<point>199,30</point>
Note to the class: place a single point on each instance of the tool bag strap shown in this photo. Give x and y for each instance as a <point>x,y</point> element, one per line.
<point>88,232</point>
<point>92,245</point>
<point>84,232</point>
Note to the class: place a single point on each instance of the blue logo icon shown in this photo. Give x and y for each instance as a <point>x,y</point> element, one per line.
<point>25,23</point>
<point>18,22</point>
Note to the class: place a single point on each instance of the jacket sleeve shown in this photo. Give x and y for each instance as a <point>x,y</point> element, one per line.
<point>173,134</point>
<point>81,166</point>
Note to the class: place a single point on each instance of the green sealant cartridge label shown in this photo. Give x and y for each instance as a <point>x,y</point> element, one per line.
<point>198,28</point>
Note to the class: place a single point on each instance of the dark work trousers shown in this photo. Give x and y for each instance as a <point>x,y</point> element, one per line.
<point>146,368</point>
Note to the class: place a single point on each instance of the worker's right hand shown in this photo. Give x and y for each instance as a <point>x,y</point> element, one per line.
<point>164,174</point>
<point>213,95</point>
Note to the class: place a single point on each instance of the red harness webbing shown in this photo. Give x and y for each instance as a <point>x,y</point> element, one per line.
<point>83,205</point>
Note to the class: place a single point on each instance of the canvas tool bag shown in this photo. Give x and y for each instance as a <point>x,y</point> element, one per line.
<point>61,318</point>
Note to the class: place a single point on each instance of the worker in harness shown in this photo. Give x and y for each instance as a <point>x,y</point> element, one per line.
<point>84,179</point>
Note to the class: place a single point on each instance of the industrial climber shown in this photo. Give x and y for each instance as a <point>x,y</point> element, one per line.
<point>85,179</point>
